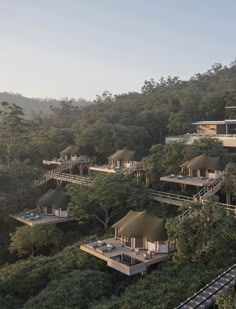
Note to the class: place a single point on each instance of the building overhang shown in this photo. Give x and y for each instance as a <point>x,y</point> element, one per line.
<point>209,122</point>
<point>110,257</point>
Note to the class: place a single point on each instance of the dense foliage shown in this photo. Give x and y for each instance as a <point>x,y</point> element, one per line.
<point>38,267</point>
<point>29,240</point>
<point>108,198</point>
<point>77,289</point>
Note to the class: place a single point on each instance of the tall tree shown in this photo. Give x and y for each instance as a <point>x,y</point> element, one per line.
<point>108,198</point>
<point>29,241</point>
<point>12,131</point>
<point>204,233</point>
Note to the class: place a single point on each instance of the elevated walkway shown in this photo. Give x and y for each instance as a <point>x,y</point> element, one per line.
<point>169,198</point>
<point>57,174</point>
<point>211,189</point>
<point>79,180</point>
<point>179,200</point>
<point>205,297</point>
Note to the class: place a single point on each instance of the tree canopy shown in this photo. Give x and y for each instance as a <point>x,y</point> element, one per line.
<point>108,198</point>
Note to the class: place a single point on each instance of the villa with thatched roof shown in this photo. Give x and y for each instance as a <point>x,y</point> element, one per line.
<point>200,171</point>
<point>52,208</point>
<point>122,158</point>
<point>68,153</point>
<point>54,202</point>
<point>203,166</point>
<point>140,230</point>
<point>140,241</point>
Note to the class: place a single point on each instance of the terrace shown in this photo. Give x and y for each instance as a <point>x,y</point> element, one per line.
<point>123,259</point>
<point>103,168</point>
<point>112,169</point>
<point>33,218</point>
<point>228,140</point>
<point>188,180</point>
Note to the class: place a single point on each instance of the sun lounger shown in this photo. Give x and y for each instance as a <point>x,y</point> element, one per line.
<point>28,215</point>
<point>102,249</point>
<point>96,244</point>
<point>36,217</point>
<point>106,248</point>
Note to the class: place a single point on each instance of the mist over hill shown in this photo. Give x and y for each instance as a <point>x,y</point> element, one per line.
<point>36,105</point>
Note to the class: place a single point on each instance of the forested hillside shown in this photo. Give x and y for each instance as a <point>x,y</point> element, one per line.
<point>43,267</point>
<point>35,105</point>
<point>139,120</point>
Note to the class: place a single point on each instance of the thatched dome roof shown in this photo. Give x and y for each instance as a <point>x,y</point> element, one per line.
<point>70,150</point>
<point>204,162</point>
<point>123,155</point>
<point>55,198</point>
<point>142,224</point>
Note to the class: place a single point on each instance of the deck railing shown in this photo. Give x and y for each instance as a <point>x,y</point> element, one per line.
<point>211,189</point>
<point>175,199</point>
<point>171,196</point>
<point>67,177</point>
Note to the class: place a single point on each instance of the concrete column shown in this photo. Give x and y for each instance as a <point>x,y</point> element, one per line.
<point>228,197</point>
<point>226,129</point>
<point>81,172</point>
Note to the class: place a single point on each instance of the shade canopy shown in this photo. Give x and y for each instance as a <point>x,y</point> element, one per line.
<point>123,155</point>
<point>56,198</point>
<point>204,162</point>
<point>142,224</point>
<point>70,150</point>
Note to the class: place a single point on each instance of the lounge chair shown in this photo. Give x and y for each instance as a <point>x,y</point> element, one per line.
<point>102,249</point>
<point>148,255</point>
<point>97,244</point>
<point>36,217</point>
<point>105,248</point>
<point>26,216</point>
<point>110,246</point>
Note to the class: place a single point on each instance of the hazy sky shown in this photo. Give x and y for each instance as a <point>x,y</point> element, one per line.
<point>79,48</point>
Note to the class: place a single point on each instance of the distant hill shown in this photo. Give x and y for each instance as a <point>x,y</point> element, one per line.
<point>36,104</point>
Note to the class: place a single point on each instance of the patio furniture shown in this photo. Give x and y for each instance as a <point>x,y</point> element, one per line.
<point>147,255</point>
<point>105,248</point>
<point>36,217</point>
<point>26,216</point>
<point>102,249</point>
<point>110,247</point>
<point>96,244</point>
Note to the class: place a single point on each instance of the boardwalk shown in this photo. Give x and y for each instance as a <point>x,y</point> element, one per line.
<point>170,198</point>
<point>179,200</point>
<point>204,298</point>
<point>76,179</point>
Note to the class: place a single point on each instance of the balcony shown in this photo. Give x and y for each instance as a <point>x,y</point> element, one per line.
<point>228,140</point>
<point>122,258</point>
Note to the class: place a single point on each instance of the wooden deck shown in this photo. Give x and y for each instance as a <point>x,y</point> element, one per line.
<point>186,180</point>
<point>76,179</point>
<point>42,220</point>
<point>169,198</point>
<point>104,169</point>
<point>125,269</point>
